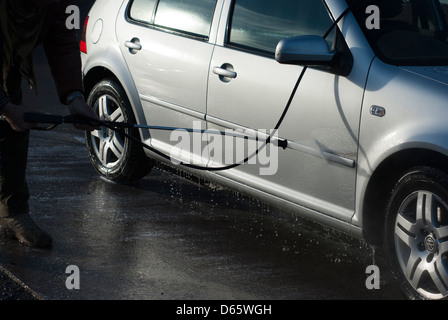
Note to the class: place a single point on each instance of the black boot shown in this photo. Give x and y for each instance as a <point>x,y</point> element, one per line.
<point>25,230</point>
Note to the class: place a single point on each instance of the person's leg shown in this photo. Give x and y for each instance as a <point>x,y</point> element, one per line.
<point>14,193</point>
<point>15,221</point>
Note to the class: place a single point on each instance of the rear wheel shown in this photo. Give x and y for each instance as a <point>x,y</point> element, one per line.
<point>114,156</point>
<point>417,233</point>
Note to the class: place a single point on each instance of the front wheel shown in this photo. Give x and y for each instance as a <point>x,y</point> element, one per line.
<point>417,233</point>
<point>114,156</point>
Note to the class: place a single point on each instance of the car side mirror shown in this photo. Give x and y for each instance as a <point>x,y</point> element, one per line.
<point>304,50</point>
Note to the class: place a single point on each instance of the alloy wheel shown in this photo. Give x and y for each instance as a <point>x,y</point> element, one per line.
<point>421,243</point>
<point>108,144</point>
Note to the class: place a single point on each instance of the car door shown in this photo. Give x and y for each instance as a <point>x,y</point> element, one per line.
<point>318,168</point>
<point>167,45</point>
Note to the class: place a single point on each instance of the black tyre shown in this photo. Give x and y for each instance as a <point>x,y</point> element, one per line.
<point>115,157</point>
<point>417,233</point>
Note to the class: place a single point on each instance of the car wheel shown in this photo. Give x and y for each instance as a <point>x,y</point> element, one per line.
<point>114,156</point>
<point>417,233</point>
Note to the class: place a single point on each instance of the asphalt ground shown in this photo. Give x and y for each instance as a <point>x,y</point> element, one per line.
<point>171,238</point>
<point>13,289</point>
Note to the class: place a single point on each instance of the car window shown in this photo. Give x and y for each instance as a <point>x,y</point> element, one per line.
<point>407,32</point>
<point>142,10</point>
<point>260,24</point>
<point>187,16</point>
<point>191,16</point>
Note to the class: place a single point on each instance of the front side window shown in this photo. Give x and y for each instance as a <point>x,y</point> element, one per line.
<point>259,25</point>
<point>187,16</point>
<point>408,32</point>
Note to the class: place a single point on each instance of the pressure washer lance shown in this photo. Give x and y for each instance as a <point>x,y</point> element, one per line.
<point>56,120</point>
<point>80,119</point>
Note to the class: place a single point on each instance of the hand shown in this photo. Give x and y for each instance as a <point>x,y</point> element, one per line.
<point>80,107</point>
<point>14,116</point>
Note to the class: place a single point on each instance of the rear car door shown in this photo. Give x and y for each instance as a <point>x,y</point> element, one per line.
<point>318,168</point>
<point>167,45</point>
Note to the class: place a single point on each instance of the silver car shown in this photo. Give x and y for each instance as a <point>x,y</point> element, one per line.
<point>335,110</point>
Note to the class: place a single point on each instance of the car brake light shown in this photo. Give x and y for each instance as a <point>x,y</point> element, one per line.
<point>83,45</point>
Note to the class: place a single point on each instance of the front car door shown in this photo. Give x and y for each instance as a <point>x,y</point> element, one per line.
<point>318,169</point>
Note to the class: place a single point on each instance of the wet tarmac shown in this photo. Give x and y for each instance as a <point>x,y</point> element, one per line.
<point>170,237</point>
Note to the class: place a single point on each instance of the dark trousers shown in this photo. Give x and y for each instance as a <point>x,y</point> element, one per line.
<point>14,192</point>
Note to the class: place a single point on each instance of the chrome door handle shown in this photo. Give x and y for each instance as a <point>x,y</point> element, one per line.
<point>224,72</point>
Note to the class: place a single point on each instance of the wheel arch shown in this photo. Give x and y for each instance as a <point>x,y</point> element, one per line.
<point>99,73</point>
<point>382,182</point>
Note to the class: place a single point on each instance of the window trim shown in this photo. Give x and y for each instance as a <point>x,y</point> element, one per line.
<point>240,47</point>
<point>173,31</point>
<point>252,50</point>
<point>139,22</point>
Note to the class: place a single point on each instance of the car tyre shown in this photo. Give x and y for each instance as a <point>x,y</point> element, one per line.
<point>416,241</point>
<point>114,156</point>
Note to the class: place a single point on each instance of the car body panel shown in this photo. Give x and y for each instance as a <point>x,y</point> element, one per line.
<point>322,119</point>
<point>416,122</point>
<point>105,53</point>
<point>168,61</point>
<point>335,143</point>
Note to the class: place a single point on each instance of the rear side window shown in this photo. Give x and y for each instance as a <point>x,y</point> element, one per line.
<point>258,25</point>
<point>186,16</point>
<point>142,10</point>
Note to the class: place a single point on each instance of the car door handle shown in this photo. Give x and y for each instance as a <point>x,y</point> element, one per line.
<point>133,45</point>
<point>224,72</point>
